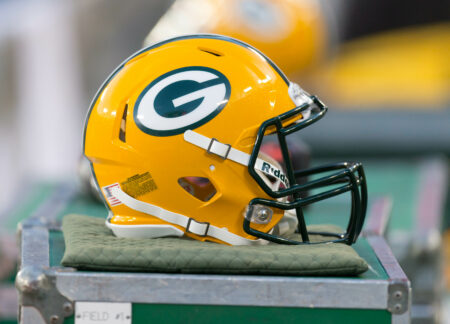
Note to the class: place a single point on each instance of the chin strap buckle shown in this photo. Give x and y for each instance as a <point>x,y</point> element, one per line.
<point>197,228</point>
<point>218,148</point>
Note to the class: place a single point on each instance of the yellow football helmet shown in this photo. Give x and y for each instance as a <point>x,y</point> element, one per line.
<point>293,33</point>
<point>174,138</point>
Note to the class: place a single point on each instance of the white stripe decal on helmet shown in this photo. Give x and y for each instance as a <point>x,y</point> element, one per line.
<point>227,152</point>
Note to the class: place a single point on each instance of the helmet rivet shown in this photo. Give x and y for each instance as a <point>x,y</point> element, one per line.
<point>262,215</point>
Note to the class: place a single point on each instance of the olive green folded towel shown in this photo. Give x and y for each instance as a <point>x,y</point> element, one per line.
<point>91,245</point>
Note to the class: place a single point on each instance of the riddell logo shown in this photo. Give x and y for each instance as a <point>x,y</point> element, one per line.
<point>277,173</point>
<point>181,99</point>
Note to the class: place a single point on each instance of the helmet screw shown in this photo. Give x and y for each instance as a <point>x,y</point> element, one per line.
<point>68,308</point>
<point>262,215</point>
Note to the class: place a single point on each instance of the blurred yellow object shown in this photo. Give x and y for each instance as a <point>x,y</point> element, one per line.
<point>408,68</point>
<point>291,32</point>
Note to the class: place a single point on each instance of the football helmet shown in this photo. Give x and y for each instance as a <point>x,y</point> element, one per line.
<point>296,34</point>
<point>174,138</point>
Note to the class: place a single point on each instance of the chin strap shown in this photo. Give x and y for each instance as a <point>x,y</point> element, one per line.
<point>225,151</point>
<point>189,224</point>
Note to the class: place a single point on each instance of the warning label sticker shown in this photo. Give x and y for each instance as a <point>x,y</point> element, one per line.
<point>139,185</point>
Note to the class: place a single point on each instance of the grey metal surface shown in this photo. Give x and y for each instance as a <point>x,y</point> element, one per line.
<point>35,285</point>
<point>387,259</point>
<point>30,315</point>
<point>398,301</point>
<point>399,287</point>
<point>404,318</point>
<point>37,289</point>
<point>224,290</point>
<point>34,246</point>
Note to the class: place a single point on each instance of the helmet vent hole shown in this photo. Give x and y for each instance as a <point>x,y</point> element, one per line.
<point>198,187</point>
<point>123,125</point>
<point>210,51</point>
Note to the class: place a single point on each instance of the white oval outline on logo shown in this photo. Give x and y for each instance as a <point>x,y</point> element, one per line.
<point>215,99</point>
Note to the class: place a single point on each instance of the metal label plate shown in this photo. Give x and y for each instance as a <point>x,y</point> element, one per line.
<point>96,313</point>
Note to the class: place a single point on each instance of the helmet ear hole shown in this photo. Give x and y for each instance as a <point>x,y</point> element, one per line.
<point>198,187</point>
<point>123,125</point>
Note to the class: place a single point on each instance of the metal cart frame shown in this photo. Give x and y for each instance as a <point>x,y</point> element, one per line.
<point>48,294</point>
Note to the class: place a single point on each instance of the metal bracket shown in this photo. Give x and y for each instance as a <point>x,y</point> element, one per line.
<point>398,297</point>
<point>37,288</point>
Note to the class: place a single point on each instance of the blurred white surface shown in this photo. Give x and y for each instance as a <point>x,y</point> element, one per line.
<point>48,74</point>
<point>54,55</point>
<point>41,120</point>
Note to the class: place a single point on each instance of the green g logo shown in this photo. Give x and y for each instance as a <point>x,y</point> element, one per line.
<point>181,99</point>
